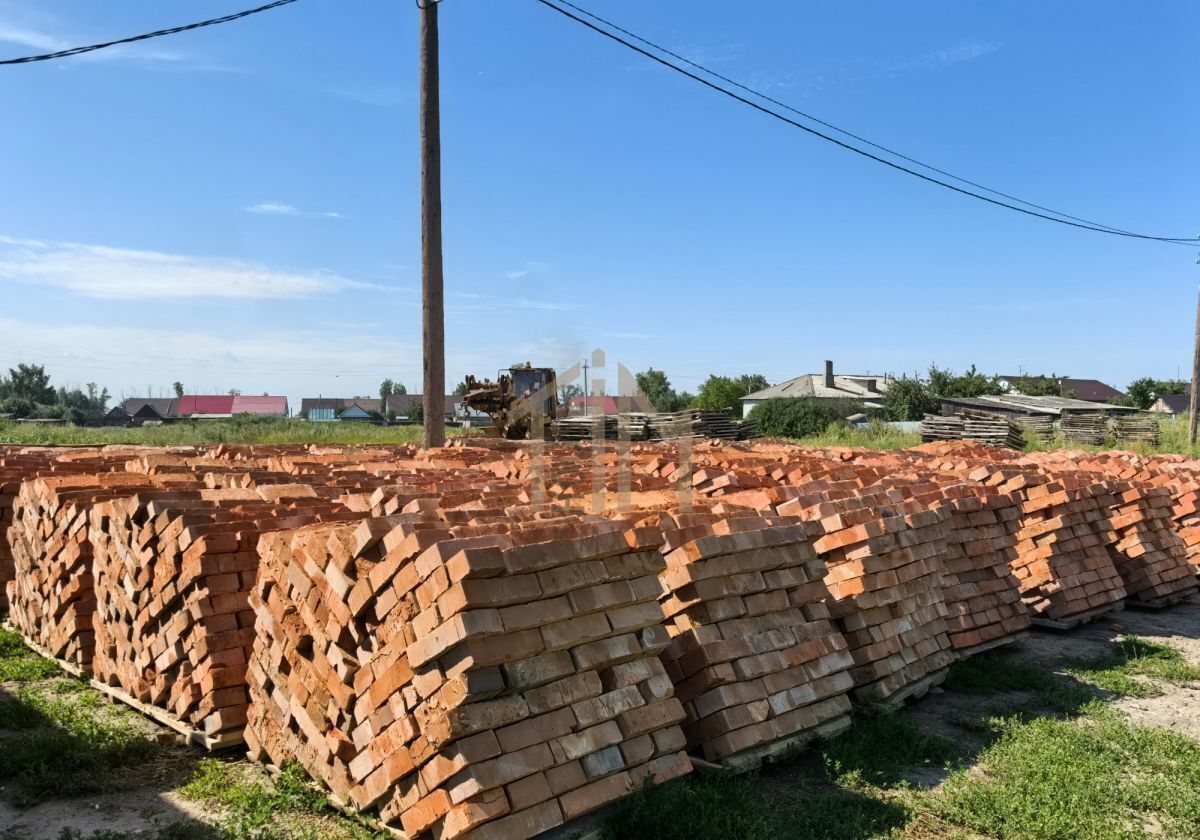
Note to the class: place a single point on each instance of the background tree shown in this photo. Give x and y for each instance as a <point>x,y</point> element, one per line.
<point>753,382</point>
<point>797,417</point>
<point>460,389</point>
<point>908,398</point>
<point>568,392</point>
<point>235,392</point>
<point>655,387</point>
<point>971,383</point>
<point>1142,392</point>
<point>178,388</point>
<point>386,388</point>
<point>416,412</point>
<point>1041,386</point>
<point>27,382</point>
<point>719,392</point>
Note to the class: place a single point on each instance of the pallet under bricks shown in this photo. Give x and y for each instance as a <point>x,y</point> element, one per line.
<point>491,679</point>
<point>754,655</point>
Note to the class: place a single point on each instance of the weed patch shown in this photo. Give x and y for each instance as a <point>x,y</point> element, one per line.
<point>20,664</point>
<point>1133,660</point>
<point>1096,778</point>
<point>990,673</point>
<point>878,751</point>
<point>290,807</point>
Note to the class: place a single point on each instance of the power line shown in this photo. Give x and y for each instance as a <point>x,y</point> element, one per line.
<point>157,34</point>
<point>1070,221</point>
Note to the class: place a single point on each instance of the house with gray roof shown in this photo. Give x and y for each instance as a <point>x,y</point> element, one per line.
<point>867,389</point>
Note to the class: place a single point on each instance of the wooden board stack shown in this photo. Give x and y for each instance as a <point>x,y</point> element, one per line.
<point>884,580</point>
<point>1137,429</point>
<point>979,426</point>
<point>1087,428</point>
<point>172,576</point>
<point>1039,425</point>
<point>498,677</point>
<point>754,656</point>
<point>1150,556</point>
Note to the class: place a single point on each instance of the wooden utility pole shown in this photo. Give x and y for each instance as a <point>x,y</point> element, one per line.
<point>432,312</point>
<point>1195,379</point>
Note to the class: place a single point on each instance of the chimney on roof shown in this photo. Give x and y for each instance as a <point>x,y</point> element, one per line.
<point>829,374</point>
<point>873,386</point>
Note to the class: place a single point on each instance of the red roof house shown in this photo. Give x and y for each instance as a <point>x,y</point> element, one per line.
<point>270,406</point>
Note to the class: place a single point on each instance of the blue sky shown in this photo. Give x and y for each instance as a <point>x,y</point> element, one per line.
<point>238,206</point>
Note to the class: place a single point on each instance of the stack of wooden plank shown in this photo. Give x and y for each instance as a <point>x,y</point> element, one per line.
<point>499,676</point>
<point>747,429</point>
<point>594,427</point>
<point>1040,425</point>
<point>1136,429</point>
<point>884,579</point>
<point>937,427</point>
<point>1066,573</point>
<point>694,423</point>
<point>979,426</point>
<point>1150,556</point>
<point>172,576</point>
<point>52,599</point>
<point>754,657</point>
<point>1087,428</point>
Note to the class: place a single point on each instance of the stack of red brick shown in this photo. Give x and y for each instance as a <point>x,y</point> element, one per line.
<point>884,578</point>
<point>754,656</point>
<point>497,677</point>
<point>172,577</point>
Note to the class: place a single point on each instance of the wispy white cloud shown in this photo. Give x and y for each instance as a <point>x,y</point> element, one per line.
<point>515,275</point>
<point>28,38</point>
<point>98,271</point>
<point>965,51</point>
<point>278,208</point>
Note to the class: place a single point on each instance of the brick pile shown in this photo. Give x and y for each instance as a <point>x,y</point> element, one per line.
<point>498,676</point>
<point>1150,556</point>
<point>52,599</point>
<point>172,577</point>
<point>884,578</point>
<point>754,655</point>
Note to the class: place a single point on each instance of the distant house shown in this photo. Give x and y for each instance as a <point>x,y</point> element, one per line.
<point>263,406</point>
<point>1088,390</point>
<point>118,416</point>
<point>163,407</point>
<point>357,413</point>
<point>870,390</point>
<point>609,405</point>
<point>1172,404</point>
<point>337,405</point>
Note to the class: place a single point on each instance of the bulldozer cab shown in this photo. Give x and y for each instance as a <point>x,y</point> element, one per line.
<point>536,385</point>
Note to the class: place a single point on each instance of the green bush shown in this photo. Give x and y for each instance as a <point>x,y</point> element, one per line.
<point>797,417</point>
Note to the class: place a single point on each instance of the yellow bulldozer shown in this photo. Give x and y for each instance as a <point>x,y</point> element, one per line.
<point>522,398</point>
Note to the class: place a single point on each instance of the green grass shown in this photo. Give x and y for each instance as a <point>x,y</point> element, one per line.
<point>60,745</point>
<point>872,436</point>
<point>262,430</point>
<point>1132,663</point>
<point>879,751</point>
<point>290,807</point>
<point>1098,778</point>
<point>1000,672</point>
<point>20,664</point>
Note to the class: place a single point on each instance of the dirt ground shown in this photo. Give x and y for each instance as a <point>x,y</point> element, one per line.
<point>149,796</point>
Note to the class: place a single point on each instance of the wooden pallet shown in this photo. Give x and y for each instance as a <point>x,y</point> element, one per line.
<point>1076,620</point>
<point>1003,641</point>
<point>753,759</point>
<point>912,691</point>
<point>191,735</point>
